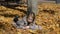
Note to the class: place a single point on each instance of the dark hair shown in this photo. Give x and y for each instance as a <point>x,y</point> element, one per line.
<point>16,18</point>
<point>31,14</point>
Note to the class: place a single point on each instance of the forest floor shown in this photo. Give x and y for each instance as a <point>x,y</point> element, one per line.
<point>48,17</point>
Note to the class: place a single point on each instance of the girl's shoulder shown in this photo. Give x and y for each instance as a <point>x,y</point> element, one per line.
<point>22,21</point>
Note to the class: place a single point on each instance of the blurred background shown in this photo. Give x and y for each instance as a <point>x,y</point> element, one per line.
<point>48,16</point>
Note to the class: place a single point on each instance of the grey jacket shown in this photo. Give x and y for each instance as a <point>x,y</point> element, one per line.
<point>22,23</point>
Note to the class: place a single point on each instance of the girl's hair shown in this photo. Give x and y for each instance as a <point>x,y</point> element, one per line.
<point>31,14</point>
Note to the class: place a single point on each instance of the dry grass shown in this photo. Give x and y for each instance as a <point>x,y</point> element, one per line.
<point>48,17</point>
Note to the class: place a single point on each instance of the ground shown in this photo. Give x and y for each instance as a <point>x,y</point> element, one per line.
<point>48,17</point>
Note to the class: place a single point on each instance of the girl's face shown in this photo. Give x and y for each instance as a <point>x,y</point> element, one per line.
<point>30,18</point>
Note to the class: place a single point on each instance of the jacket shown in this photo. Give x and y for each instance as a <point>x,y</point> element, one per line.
<point>22,23</point>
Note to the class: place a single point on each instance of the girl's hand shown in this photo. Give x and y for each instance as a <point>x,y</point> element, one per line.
<point>26,27</point>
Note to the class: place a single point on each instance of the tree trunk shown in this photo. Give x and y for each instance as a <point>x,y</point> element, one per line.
<point>33,6</point>
<point>57,1</point>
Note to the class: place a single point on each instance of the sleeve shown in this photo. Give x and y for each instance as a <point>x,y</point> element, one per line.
<point>35,27</point>
<point>20,24</point>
